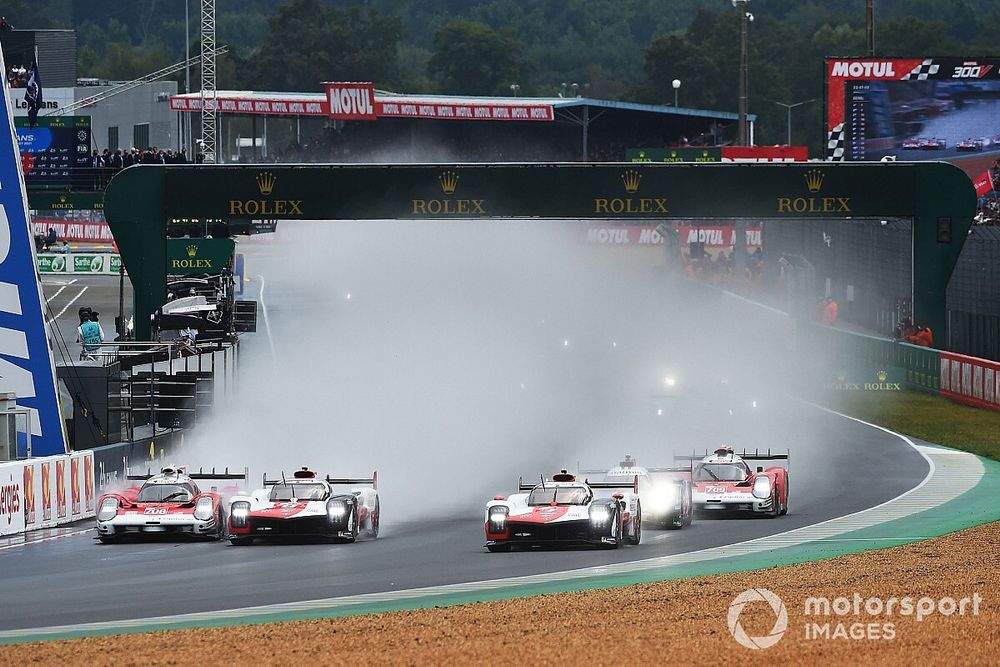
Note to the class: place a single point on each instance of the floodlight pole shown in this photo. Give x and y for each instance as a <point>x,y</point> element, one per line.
<point>870,27</point>
<point>789,107</point>
<point>745,18</point>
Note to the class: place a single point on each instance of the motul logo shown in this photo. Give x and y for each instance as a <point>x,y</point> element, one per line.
<point>864,69</point>
<point>351,100</point>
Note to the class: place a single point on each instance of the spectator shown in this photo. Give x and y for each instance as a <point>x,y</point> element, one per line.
<point>5,25</point>
<point>905,330</point>
<point>50,239</point>
<point>64,248</point>
<point>923,337</point>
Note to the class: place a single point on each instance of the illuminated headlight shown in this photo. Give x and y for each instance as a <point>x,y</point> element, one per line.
<point>108,509</point>
<point>669,381</point>
<point>240,512</point>
<point>204,509</point>
<point>662,498</point>
<point>336,509</point>
<point>762,487</point>
<point>498,518</point>
<point>599,515</point>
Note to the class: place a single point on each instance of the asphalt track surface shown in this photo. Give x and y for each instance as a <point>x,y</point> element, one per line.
<point>65,576</point>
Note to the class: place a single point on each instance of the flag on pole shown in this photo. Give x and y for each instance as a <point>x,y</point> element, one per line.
<point>33,92</point>
<point>983,183</point>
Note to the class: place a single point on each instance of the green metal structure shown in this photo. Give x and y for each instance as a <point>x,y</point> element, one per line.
<point>937,196</point>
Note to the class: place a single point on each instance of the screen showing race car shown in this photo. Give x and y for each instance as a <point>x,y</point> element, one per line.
<point>911,108</point>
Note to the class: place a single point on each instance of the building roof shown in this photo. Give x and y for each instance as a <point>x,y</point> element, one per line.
<point>441,107</point>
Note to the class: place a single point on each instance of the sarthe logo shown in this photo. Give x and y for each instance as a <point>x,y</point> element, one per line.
<point>780,620</point>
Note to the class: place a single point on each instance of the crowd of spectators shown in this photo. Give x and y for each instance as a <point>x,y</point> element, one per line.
<point>105,164</point>
<point>17,77</point>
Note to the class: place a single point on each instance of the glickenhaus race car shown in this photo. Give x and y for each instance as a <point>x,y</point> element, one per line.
<point>725,483</point>
<point>169,502</point>
<point>306,506</point>
<point>564,511</point>
<point>665,492</point>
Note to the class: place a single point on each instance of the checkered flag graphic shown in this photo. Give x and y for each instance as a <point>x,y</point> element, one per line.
<point>920,73</point>
<point>835,143</point>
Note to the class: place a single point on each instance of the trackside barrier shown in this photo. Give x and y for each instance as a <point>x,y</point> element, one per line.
<point>970,380</point>
<point>46,491</point>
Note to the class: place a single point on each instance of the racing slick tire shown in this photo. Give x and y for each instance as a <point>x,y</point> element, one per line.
<point>618,532</point>
<point>775,510</point>
<point>240,541</point>
<point>220,521</point>
<point>353,523</point>
<point>373,519</point>
<point>783,510</point>
<point>107,539</point>
<point>498,548</point>
<point>636,535</point>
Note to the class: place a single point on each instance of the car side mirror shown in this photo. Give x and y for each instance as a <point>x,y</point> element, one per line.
<point>760,468</point>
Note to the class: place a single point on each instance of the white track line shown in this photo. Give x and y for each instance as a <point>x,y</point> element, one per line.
<point>26,542</point>
<point>59,291</point>
<point>951,474</point>
<point>66,307</point>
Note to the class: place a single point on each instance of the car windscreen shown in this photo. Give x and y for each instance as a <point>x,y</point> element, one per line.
<point>561,495</point>
<point>719,472</point>
<point>158,493</point>
<point>286,491</point>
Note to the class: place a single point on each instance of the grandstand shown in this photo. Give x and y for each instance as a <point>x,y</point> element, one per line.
<point>297,127</point>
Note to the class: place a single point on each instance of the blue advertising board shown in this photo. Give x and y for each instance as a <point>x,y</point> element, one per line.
<point>26,365</point>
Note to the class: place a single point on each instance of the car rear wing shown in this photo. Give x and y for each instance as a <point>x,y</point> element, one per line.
<point>634,484</point>
<point>372,481</point>
<point>201,474</point>
<point>746,455</point>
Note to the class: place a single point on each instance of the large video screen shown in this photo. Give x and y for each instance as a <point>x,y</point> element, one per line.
<point>56,151</point>
<point>911,108</point>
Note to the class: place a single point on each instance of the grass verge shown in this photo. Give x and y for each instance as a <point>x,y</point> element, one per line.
<point>928,417</point>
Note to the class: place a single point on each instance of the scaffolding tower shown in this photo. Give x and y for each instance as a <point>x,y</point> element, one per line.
<point>208,100</point>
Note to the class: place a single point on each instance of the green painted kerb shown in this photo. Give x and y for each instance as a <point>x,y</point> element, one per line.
<point>937,196</point>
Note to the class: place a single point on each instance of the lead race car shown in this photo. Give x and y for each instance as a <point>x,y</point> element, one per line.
<point>725,483</point>
<point>564,511</point>
<point>307,506</point>
<point>168,502</point>
<point>665,492</point>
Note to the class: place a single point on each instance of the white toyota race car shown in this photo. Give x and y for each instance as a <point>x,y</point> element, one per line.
<point>306,506</point>
<point>725,483</point>
<point>665,492</point>
<point>565,511</point>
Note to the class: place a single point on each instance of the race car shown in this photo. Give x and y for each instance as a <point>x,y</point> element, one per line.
<point>306,506</point>
<point>564,511</point>
<point>913,143</point>
<point>168,502</point>
<point>725,483</point>
<point>933,144</point>
<point>665,492</point>
<point>970,145</point>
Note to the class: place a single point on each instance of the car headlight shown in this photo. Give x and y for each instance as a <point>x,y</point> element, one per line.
<point>498,518</point>
<point>663,497</point>
<point>599,514</point>
<point>239,513</point>
<point>203,509</point>
<point>108,509</point>
<point>336,509</point>
<point>762,487</point>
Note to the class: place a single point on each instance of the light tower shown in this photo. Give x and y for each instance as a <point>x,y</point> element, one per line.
<point>208,101</point>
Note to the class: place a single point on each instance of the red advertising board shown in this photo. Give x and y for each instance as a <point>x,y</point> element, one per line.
<point>46,491</point>
<point>350,100</point>
<point>60,488</point>
<point>970,380</point>
<point>97,232</point>
<point>256,106</point>
<point>765,154</point>
<point>621,235</point>
<point>415,108</point>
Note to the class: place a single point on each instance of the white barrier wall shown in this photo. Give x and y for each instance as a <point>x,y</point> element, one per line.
<point>45,492</point>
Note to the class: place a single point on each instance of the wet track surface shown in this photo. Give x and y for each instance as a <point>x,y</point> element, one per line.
<point>838,466</point>
<point>75,579</point>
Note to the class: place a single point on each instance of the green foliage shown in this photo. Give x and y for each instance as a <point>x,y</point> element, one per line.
<point>629,49</point>
<point>471,58</point>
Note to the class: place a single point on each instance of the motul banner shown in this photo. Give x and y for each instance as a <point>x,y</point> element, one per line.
<point>99,232</point>
<point>268,107</point>
<point>449,111</point>
<point>983,183</point>
<point>350,101</point>
<point>716,237</point>
<point>643,235</point>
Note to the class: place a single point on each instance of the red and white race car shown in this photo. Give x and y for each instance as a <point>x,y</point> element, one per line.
<point>970,144</point>
<point>933,144</point>
<point>170,502</point>
<point>724,483</point>
<point>565,511</point>
<point>306,506</point>
<point>914,143</point>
